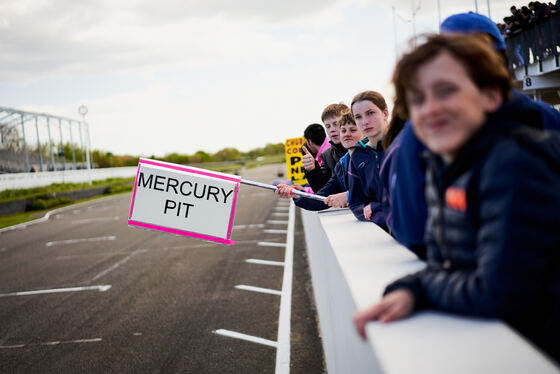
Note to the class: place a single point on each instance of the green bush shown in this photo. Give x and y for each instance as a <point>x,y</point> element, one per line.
<point>40,204</point>
<point>117,188</point>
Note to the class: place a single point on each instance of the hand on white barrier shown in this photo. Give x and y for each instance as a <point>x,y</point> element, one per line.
<point>395,305</point>
<point>367,212</point>
<point>339,200</point>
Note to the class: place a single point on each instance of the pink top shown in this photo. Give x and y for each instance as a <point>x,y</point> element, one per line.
<point>326,145</point>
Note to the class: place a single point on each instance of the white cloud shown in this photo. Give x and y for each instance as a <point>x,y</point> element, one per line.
<point>183,75</point>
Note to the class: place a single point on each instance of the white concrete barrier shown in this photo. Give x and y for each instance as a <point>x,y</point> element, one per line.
<point>351,263</point>
<point>30,180</point>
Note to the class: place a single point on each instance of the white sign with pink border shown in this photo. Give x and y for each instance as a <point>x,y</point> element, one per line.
<point>184,200</point>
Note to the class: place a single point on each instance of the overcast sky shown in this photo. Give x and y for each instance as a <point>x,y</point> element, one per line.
<point>183,75</point>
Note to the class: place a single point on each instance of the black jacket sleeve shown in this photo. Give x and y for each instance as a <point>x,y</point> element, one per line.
<point>330,188</point>
<point>316,178</point>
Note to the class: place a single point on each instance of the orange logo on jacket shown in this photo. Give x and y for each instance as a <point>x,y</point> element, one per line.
<point>456,198</point>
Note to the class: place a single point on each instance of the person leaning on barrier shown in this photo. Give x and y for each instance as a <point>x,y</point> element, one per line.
<point>330,157</point>
<point>493,192</point>
<point>392,142</point>
<point>407,174</point>
<point>336,189</point>
<point>364,185</point>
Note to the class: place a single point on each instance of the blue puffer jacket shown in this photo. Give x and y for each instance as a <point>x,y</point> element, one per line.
<point>493,232</point>
<point>407,179</point>
<point>364,183</point>
<point>336,184</point>
<point>405,186</point>
<point>409,208</point>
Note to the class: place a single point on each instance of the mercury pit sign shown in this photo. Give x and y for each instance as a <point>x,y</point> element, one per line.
<point>184,200</point>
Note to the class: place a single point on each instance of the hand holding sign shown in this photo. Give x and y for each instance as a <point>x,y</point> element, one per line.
<point>285,191</point>
<point>308,159</point>
<point>339,200</point>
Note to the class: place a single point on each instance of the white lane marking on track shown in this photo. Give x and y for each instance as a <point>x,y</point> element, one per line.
<point>57,290</point>
<point>282,208</point>
<point>116,265</point>
<point>3,249</point>
<point>102,254</point>
<point>250,338</point>
<point>84,240</point>
<point>98,219</point>
<point>98,207</point>
<point>250,226</point>
<point>190,246</point>
<point>279,214</point>
<point>264,262</point>
<point>284,324</point>
<point>272,231</point>
<point>94,340</point>
<point>76,211</point>
<point>273,222</point>
<point>258,289</point>
<point>271,244</point>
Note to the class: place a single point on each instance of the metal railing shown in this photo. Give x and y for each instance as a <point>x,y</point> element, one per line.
<point>32,141</point>
<point>535,43</point>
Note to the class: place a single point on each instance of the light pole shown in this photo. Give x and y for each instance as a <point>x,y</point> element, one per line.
<point>83,110</point>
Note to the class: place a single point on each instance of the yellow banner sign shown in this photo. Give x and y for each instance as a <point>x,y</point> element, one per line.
<point>293,160</point>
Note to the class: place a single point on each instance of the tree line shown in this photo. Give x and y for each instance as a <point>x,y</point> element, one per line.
<point>104,159</point>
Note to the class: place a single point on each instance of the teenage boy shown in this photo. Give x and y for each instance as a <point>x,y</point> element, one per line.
<point>331,117</point>
<point>320,168</point>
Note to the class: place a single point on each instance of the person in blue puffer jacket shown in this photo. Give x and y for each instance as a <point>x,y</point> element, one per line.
<point>365,190</point>
<point>492,191</point>
<point>337,186</point>
<point>406,169</point>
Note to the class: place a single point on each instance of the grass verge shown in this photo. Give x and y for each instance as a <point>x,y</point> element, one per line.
<point>15,194</point>
<point>15,219</point>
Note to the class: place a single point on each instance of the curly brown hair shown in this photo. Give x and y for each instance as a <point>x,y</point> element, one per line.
<point>333,110</point>
<point>473,51</point>
<point>345,118</point>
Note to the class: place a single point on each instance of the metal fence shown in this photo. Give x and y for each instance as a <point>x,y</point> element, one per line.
<point>32,142</point>
<point>535,43</point>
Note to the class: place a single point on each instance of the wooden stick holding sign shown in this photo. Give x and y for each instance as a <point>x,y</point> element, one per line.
<point>187,201</point>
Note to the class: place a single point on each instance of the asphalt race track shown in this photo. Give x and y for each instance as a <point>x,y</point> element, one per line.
<point>82,292</point>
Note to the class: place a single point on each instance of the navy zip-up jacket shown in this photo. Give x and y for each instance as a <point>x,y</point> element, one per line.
<point>402,207</point>
<point>364,183</point>
<point>336,184</point>
<point>493,235</point>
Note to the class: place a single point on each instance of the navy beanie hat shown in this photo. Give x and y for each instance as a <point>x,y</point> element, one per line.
<point>473,22</point>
